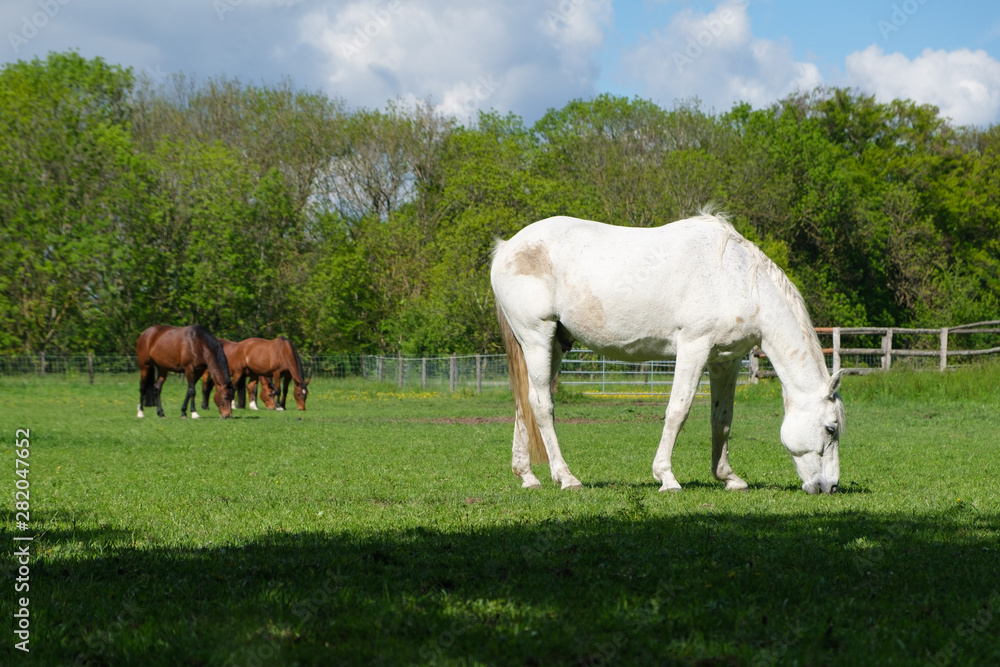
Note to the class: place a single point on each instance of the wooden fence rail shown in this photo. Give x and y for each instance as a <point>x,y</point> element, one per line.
<point>933,343</point>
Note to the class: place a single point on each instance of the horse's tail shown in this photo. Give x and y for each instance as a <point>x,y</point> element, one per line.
<point>518,372</point>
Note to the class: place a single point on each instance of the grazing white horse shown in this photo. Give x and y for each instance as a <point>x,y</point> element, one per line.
<point>694,290</point>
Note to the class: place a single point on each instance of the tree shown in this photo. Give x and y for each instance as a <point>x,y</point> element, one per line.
<point>65,159</point>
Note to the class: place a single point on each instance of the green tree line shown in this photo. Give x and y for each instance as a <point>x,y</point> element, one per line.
<point>264,209</point>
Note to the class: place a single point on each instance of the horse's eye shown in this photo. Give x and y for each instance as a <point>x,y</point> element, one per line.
<point>832,430</point>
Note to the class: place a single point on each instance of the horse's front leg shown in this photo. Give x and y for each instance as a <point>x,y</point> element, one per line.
<point>251,390</point>
<point>283,384</point>
<point>687,374</point>
<point>723,381</point>
<point>190,396</point>
<point>206,389</point>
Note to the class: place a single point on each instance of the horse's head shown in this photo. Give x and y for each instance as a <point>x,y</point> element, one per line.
<point>811,433</point>
<point>267,392</point>
<point>224,399</point>
<point>300,393</point>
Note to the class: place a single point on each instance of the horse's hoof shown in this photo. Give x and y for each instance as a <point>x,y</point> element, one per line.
<point>184,416</point>
<point>280,409</point>
<point>575,485</point>
<point>737,486</point>
<point>672,489</point>
<point>531,485</point>
<point>195,415</point>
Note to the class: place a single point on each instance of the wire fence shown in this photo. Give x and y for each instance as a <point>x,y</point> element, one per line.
<point>878,348</point>
<point>580,369</point>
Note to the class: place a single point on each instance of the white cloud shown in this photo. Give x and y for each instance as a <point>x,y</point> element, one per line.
<point>715,57</point>
<point>522,56</point>
<point>963,84</point>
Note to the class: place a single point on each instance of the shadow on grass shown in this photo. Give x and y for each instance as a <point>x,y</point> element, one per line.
<point>708,589</point>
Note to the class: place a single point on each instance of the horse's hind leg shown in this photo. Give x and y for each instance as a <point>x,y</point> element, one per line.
<point>521,459</point>
<point>687,374</point>
<point>145,382</point>
<point>723,379</point>
<point>157,387</point>
<point>541,357</point>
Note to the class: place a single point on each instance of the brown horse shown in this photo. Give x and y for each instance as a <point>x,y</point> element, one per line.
<point>267,392</point>
<point>190,350</point>
<point>275,359</point>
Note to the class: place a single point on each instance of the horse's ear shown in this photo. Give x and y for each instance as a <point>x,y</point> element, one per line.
<point>308,380</point>
<point>834,383</point>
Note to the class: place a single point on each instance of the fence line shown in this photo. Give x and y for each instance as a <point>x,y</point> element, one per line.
<point>898,344</point>
<point>876,348</point>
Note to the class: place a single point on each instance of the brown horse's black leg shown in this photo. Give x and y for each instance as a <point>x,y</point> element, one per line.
<point>157,386</point>
<point>284,390</point>
<point>145,388</point>
<point>241,392</point>
<point>206,390</point>
<point>190,396</point>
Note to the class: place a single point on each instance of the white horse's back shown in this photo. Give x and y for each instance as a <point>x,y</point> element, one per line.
<point>631,293</point>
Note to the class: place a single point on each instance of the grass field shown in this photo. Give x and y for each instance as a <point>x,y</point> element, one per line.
<point>380,528</point>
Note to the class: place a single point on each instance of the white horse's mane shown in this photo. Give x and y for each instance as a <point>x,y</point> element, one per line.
<point>763,264</point>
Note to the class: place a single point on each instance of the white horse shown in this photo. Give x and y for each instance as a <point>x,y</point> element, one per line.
<point>694,290</point>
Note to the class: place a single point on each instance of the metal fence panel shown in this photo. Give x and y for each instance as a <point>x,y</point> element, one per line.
<point>582,369</point>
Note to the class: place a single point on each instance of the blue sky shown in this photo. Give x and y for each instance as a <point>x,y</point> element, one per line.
<point>527,56</point>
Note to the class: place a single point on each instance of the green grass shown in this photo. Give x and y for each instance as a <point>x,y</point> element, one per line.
<point>386,528</point>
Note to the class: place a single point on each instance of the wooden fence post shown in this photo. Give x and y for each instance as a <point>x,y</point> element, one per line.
<point>479,374</point>
<point>378,371</point>
<point>401,369</point>
<point>887,350</point>
<point>423,372</point>
<point>453,371</point>
<point>41,360</point>
<point>944,348</point>
<point>90,365</point>
<point>836,349</point>
<point>364,369</point>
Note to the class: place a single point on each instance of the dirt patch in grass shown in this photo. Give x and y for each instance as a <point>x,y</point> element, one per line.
<point>510,420</point>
